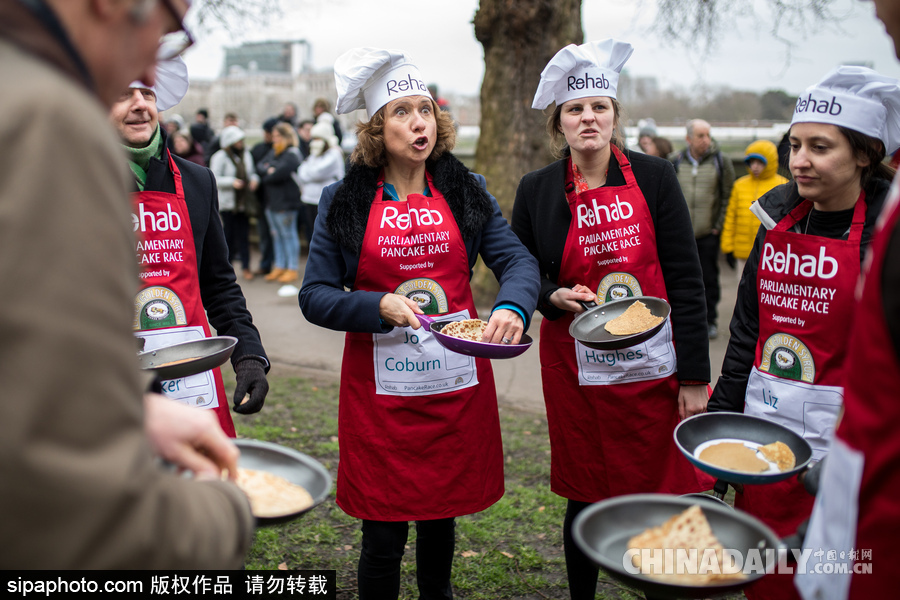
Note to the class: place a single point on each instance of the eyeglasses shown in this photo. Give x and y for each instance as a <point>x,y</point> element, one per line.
<point>175,43</point>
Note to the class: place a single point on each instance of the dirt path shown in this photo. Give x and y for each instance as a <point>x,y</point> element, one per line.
<point>292,341</point>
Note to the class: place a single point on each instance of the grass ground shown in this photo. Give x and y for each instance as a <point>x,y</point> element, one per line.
<point>512,550</point>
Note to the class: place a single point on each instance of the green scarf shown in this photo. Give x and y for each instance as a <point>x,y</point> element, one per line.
<point>139,158</point>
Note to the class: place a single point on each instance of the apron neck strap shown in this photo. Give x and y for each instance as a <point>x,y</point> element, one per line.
<point>624,166</point>
<point>804,208</point>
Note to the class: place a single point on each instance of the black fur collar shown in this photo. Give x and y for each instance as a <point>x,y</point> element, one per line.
<point>349,212</point>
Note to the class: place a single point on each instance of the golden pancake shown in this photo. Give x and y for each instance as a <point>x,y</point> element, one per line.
<point>688,530</point>
<point>468,329</point>
<point>780,454</point>
<point>172,363</point>
<point>270,495</point>
<point>735,456</point>
<point>637,318</point>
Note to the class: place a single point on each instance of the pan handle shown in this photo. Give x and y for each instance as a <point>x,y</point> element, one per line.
<point>425,320</point>
<point>809,477</point>
<point>720,489</point>
<point>587,305</point>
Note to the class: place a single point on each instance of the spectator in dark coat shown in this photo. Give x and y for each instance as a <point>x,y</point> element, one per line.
<point>259,152</point>
<point>277,171</point>
<point>200,129</point>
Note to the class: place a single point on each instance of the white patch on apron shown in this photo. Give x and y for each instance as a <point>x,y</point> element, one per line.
<point>806,409</point>
<point>411,362</point>
<point>654,359</point>
<point>195,390</point>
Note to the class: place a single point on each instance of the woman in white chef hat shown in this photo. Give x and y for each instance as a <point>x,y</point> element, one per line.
<point>787,357</point>
<point>606,224</point>
<point>398,236</point>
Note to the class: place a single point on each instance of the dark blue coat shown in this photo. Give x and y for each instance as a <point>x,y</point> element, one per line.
<point>337,239</point>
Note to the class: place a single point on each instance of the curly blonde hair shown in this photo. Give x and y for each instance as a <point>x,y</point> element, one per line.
<point>558,140</point>
<point>370,149</point>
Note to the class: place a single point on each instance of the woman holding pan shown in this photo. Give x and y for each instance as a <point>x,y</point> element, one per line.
<point>605,224</point>
<point>398,236</point>
<point>787,357</point>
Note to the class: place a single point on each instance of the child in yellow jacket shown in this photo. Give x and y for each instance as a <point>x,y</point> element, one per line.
<point>741,225</point>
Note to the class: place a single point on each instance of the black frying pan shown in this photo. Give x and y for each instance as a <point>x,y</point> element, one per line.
<point>695,431</point>
<point>296,467</point>
<point>602,532</point>
<point>187,358</point>
<point>588,329</point>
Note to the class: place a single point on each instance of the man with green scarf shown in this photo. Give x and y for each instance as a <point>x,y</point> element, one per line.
<point>187,282</point>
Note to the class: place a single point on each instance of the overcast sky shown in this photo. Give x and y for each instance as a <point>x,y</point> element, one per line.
<point>438,35</point>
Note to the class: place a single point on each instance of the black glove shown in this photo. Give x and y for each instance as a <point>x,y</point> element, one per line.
<point>731,260</point>
<point>251,382</point>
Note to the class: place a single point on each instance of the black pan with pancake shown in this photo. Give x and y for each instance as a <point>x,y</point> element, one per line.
<point>702,428</point>
<point>588,327</point>
<point>602,531</point>
<point>296,467</point>
<point>187,358</point>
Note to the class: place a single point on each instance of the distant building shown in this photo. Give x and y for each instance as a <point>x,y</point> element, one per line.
<point>269,57</point>
<point>257,80</point>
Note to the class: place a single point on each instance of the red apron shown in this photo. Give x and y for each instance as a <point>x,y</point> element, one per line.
<point>805,289</point>
<point>857,514</point>
<point>609,437</point>
<point>419,426</point>
<point>168,307</point>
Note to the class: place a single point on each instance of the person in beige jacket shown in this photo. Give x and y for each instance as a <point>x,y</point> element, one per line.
<point>706,177</point>
<point>80,483</point>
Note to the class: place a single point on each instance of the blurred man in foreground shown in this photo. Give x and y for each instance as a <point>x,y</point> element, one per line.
<point>79,481</point>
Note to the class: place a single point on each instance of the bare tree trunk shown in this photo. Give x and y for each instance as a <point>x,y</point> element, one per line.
<point>519,38</point>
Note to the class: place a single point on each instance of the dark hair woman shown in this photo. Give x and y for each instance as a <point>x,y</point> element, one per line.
<point>420,435</point>
<point>787,356</point>
<point>606,224</point>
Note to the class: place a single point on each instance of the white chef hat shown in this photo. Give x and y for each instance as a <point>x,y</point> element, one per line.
<point>171,81</point>
<point>591,69</point>
<point>856,98</point>
<point>371,77</point>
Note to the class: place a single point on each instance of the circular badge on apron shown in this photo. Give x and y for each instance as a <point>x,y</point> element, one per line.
<point>617,286</point>
<point>427,293</point>
<point>785,356</point>
<point>157,307</point>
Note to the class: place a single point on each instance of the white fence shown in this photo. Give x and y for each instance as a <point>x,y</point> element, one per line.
<point>773,132</point>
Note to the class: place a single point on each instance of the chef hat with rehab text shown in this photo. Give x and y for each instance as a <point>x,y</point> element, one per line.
<point>371,77</point>
<point>171,82</point>
<point>856,98</point>
<point>591,69</point>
